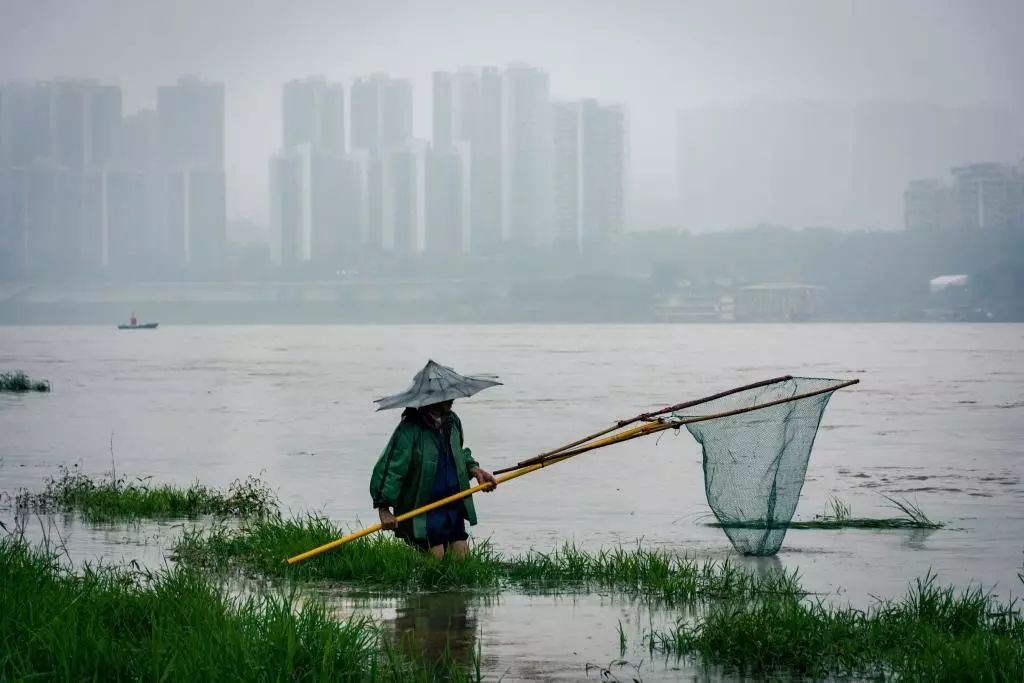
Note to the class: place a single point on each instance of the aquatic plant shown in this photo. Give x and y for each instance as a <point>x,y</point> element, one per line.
<point>838,515</point>
<point>110,623</point>
<point>121,498</point>
<point>19,382</point>
<point>934,633</point>
<point>261,545</point>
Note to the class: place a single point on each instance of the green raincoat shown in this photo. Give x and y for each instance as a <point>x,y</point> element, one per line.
<point>403,477</point>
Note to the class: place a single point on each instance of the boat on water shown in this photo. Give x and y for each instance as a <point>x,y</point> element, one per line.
<point>134,324</point>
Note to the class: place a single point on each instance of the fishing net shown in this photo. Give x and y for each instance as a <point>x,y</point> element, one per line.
<point>755,460</point>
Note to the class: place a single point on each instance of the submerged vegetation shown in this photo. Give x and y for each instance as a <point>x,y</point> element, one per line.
<point>838,515</point>
<point>934,633</point>
<point>262,544</point>
<point>124,623</point>
<point>117,624</point>
<point>19,382</point>
<point>120,498</point>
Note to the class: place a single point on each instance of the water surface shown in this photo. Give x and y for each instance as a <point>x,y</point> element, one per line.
<point>938,418</point>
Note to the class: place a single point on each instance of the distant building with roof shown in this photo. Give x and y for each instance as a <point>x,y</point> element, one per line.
<point>779,302</point>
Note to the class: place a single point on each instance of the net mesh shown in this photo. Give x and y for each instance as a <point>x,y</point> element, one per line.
<point>755,462</point>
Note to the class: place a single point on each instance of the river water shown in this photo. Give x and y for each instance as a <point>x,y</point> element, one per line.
<point>938,418</point>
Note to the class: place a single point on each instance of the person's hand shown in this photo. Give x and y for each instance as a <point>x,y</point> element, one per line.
<point>387,520</point>
<point>485,477</point>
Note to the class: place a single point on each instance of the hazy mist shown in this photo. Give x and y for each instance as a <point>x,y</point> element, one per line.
<point>656,58</point>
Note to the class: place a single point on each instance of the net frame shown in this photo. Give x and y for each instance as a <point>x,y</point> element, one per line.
<point>761,536</point>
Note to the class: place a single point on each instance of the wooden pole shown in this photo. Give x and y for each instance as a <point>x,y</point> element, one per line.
<point>663,424</point>
<point>629,434</point>
<point>644,416</point>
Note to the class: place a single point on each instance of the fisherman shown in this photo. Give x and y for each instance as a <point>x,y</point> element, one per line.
<point>426,460</point>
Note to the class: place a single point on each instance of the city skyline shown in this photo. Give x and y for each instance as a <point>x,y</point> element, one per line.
<point>658,58</point>
<point>84,189</point>
<point>487,181</point>
<point>509,165</point>
<point>93,188</point>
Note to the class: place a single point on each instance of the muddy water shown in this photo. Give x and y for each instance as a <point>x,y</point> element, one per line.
<point>938,418</point>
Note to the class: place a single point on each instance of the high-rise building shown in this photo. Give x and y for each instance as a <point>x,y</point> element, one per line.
<point>381,115</point>
<point>447,199</point>
<point>86,120</point>
<point>402,174</point>
<point>313,111</point>
<point>58,221</point>
<point>140,140</point>
<point>56,137</point>
<point>983,196</point>
<point>444,110</point>
<point>526,158</point>
<point>196,219</point>
<point>395,113</point>
<point>567,176</point>
<point>191,124</point>
<point>457,103</point>
<point>487,201</point>
<point>316,206</point>
<point>365,112</point>
<point>287,229</point>
<point>603,152</point>
<point>125,221</point>
<point>589,165</point>
<point>448,164</point>
<point>381,112</point>
<point>137,242</point>
<point>395,198</point>
<point>469,110</point>
<point>317,191</point>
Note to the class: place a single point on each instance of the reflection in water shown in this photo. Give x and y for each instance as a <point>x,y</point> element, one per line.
<point>762,566</point>
<point>915,538</point>
<point>434,626</point>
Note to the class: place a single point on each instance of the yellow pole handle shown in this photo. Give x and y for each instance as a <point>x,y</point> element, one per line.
<point>409,515</point>
<point>628,434</point>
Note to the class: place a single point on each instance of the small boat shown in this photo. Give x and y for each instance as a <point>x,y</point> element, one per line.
<point>138,326</point>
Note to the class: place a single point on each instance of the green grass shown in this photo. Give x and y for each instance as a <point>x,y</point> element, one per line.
<point>116,624</point>
<point>838,515</point>
<point>261,545</point>
<point>934,633</point>
<point>113,499</point>
<point>19,382</point>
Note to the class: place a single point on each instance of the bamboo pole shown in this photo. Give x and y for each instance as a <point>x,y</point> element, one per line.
<point>644,416</point>
<point>629,434</point>
<point>661,424</point>
<point>653,426</point>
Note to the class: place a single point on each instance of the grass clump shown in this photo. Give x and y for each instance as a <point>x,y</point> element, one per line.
<point>19,382</point>
<point>120,498</point>
<point>934,633</point>
<point>838,515</point>
<point>261,545</point>
<point>115,624</point>
<point>649,572</point>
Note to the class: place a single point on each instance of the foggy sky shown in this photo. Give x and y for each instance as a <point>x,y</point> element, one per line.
<point>654,57</point>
